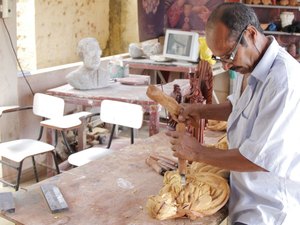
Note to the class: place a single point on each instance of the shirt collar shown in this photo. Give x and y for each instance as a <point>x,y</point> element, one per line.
<point>263,67</point>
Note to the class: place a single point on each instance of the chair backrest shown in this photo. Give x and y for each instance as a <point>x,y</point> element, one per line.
<point>48,106</point>
<point>6,108</point>
<point>121,113</point>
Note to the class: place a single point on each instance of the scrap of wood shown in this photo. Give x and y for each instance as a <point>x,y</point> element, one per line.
<point>170,160</point>
<point>166,165</point>
<point>155,166</point>
<point>161,162</point>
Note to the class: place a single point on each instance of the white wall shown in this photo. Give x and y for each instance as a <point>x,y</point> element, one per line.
<point>8,78</point>
<point>9,124</point>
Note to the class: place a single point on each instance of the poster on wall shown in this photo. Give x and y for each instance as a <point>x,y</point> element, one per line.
<point>150,19</point>
<point>157,15</point>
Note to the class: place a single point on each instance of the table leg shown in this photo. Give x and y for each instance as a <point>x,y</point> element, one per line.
<point>162,79</point>
<point>154,120</point>
<point>82,135</point>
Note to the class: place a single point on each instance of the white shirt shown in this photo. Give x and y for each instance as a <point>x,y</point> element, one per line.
<point>265,126</point>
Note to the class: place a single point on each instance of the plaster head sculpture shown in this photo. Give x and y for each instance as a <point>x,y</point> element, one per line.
<point>89,52</point>
<point>90,75</point>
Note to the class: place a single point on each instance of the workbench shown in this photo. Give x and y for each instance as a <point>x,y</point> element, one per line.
<point>111,190</point>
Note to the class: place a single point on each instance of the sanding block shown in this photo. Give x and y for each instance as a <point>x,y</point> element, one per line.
<point>54,198</point>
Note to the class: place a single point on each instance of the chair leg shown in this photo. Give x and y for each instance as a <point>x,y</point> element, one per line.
<point>34,169</point>
<point>19,169</point>
<point>56,138</point>
<point>132,135</point>
<point>111,135</point>
<point>55,162</point>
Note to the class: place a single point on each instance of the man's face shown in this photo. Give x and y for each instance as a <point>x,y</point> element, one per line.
<point>229,50</point>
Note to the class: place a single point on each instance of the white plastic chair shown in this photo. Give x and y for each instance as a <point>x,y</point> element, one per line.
<point>45,106</point>
<point>115,113</point>
<point>63,124</point>
<point>6,109</point>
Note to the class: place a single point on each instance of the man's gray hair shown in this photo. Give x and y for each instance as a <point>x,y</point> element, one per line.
<point>235,16</point>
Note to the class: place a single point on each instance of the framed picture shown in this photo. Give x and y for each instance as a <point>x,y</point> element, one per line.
<point>150,19</point>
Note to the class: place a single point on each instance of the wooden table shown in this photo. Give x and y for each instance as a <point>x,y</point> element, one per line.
<point>116,91</point>
<point>148,64</point>
<point>157,67</point>
<point>111,190</point>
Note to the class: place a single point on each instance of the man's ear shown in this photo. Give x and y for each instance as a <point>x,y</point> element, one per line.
<point>252,32</point>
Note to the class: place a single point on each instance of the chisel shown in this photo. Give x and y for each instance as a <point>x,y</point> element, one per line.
<point>180,127</point>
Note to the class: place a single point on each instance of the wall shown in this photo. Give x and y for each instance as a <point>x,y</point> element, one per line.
<point>49,30</point>
<point>8,78</point>
<point>56,28</point>
<point>129,24</point>
<point>123,26</point>
<point>26,46</point>
<point>9,124</point>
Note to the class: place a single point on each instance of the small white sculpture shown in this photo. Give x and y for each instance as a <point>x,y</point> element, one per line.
<point>135,50</point>
<point>145,49</point>
<point>151,48</point>
<point>90,75</point>
<point>286,18</point>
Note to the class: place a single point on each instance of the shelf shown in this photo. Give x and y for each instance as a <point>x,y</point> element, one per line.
<point>274,6</point>
<point>281,33</point>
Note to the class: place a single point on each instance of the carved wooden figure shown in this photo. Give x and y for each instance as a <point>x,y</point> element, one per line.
<point>176,94</point>
<point>200,92</point>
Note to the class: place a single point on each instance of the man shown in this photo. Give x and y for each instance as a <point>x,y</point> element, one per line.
<point>263,120</point>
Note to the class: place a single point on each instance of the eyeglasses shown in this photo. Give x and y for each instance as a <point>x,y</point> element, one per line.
<point>230,57</point>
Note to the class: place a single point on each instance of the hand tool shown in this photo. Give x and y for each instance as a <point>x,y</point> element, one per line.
<point>182,168</point>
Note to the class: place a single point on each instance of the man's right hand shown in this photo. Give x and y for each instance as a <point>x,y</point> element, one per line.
<point>189,114</point>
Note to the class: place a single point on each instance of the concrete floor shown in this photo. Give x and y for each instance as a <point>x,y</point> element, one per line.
<point>122,140</point>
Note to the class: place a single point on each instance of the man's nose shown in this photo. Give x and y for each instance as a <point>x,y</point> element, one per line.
<point>226,65</point>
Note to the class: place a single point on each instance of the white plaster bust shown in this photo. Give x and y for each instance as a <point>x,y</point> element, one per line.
<point>90,75</point>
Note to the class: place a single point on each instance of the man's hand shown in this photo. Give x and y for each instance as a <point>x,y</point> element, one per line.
<point>189,114</point>
<point>184,145</point>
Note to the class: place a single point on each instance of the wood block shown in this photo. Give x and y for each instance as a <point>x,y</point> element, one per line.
<point>54,198</point>
<point>7,203</point>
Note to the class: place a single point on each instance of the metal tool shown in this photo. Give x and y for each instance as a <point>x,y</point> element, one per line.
<point>182,168</point>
